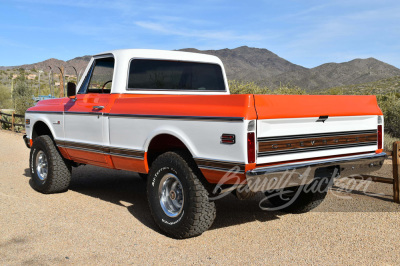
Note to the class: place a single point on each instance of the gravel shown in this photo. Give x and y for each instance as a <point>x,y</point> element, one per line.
<point>104,218</point>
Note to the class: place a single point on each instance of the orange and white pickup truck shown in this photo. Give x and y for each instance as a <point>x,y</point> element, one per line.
<point>169,116</point>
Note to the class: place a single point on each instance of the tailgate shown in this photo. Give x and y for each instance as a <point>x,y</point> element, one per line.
<point>293,127</point>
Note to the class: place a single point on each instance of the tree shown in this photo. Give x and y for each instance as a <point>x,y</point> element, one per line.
<point>5,97</point>
<point>22,95</point>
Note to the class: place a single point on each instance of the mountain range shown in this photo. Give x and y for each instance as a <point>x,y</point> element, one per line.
<point>266,68</point>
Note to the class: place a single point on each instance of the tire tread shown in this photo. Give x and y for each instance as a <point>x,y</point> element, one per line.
<point>202,212</point>
<point>59,176</point>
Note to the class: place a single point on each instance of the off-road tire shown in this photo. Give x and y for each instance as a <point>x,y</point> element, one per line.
<point>304,202</point>
<point>197,213</point>
<point>59,170</point>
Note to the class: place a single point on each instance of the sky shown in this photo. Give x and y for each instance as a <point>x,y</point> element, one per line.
<point>307,33</point>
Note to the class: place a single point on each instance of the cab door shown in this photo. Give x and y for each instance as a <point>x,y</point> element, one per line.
<point>85,126</point>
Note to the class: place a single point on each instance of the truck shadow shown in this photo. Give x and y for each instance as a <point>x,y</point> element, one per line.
<point>27,172</point>
<point>127,189</point>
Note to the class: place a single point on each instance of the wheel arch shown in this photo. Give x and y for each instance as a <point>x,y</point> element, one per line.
<point>41,128</point>
<point>166,140</point>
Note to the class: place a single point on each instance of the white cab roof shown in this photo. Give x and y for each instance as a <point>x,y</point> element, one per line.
<point>162,54</point>
<point>124,56</point>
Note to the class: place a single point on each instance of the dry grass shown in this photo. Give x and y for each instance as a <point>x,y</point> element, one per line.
<point>388,142</point>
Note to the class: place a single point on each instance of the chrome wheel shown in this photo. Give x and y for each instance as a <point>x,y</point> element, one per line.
<point>171,195</point>
<point>41,165</point>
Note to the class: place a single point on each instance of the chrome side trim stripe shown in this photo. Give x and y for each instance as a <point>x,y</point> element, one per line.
<point>122,152</point>
<point>139,116</point>
<point>224,166</point>
<point>126,156</point>
<point>46,112</point>
<point>177,117</point>
<point>79,148</point>
<point>107,150</point>
<point>220,169</point>
<point>84,113</point>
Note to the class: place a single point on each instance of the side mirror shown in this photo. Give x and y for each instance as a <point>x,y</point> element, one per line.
<point>71,89</point>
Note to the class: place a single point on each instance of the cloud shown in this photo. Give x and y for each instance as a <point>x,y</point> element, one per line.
<point>341,31</point>
<point>305,32</point>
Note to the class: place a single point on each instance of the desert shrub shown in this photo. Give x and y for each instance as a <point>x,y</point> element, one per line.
<point>390,106</point>
<point>5,97</point>
<point>241,87</point>
<point>7,119</point>
<point>22,95</point>
<point>392,119</point>
<point>388,142</point>
<point>290,90</point>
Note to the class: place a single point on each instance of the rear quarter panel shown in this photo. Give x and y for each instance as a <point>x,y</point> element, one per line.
<point>198,121</point>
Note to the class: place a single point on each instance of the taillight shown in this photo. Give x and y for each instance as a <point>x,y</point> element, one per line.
<point>379,137</point>
<point>251,147</point>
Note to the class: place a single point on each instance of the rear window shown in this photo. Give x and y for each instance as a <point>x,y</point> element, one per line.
<point>174,75</point>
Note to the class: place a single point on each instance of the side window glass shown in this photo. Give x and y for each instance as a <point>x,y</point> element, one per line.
<point>102,76</point>
<point>99,78</point>
<point>85,83</point>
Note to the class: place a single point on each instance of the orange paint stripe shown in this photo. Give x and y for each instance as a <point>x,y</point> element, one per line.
<point>216,177</point>
<point>129,164</point>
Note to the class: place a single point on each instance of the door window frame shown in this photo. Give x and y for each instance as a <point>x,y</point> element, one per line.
<point>83,89</point>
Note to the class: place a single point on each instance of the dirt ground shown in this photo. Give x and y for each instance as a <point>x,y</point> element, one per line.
<point>104,218</point>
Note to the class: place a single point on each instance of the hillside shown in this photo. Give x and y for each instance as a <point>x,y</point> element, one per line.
<point>380,87</point>
<point>79,63</point>
<point>250,64</point>
<point>268,69</point>
<point>330,75</point>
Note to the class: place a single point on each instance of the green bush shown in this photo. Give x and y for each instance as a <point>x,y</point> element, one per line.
<point>22,95</point>
<point>7,119</point>
<point>240,87</point>
<point>388,142</point>
<point>5,97</point>
<point>290,91</point>
<point>390,106</point>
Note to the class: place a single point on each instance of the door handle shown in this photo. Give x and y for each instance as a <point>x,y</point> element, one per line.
<point>98,107</point>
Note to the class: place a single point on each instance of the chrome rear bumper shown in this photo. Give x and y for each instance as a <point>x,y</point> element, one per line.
<point>275,177</point>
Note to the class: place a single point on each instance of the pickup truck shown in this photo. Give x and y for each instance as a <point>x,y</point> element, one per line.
<point>169,116</point>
